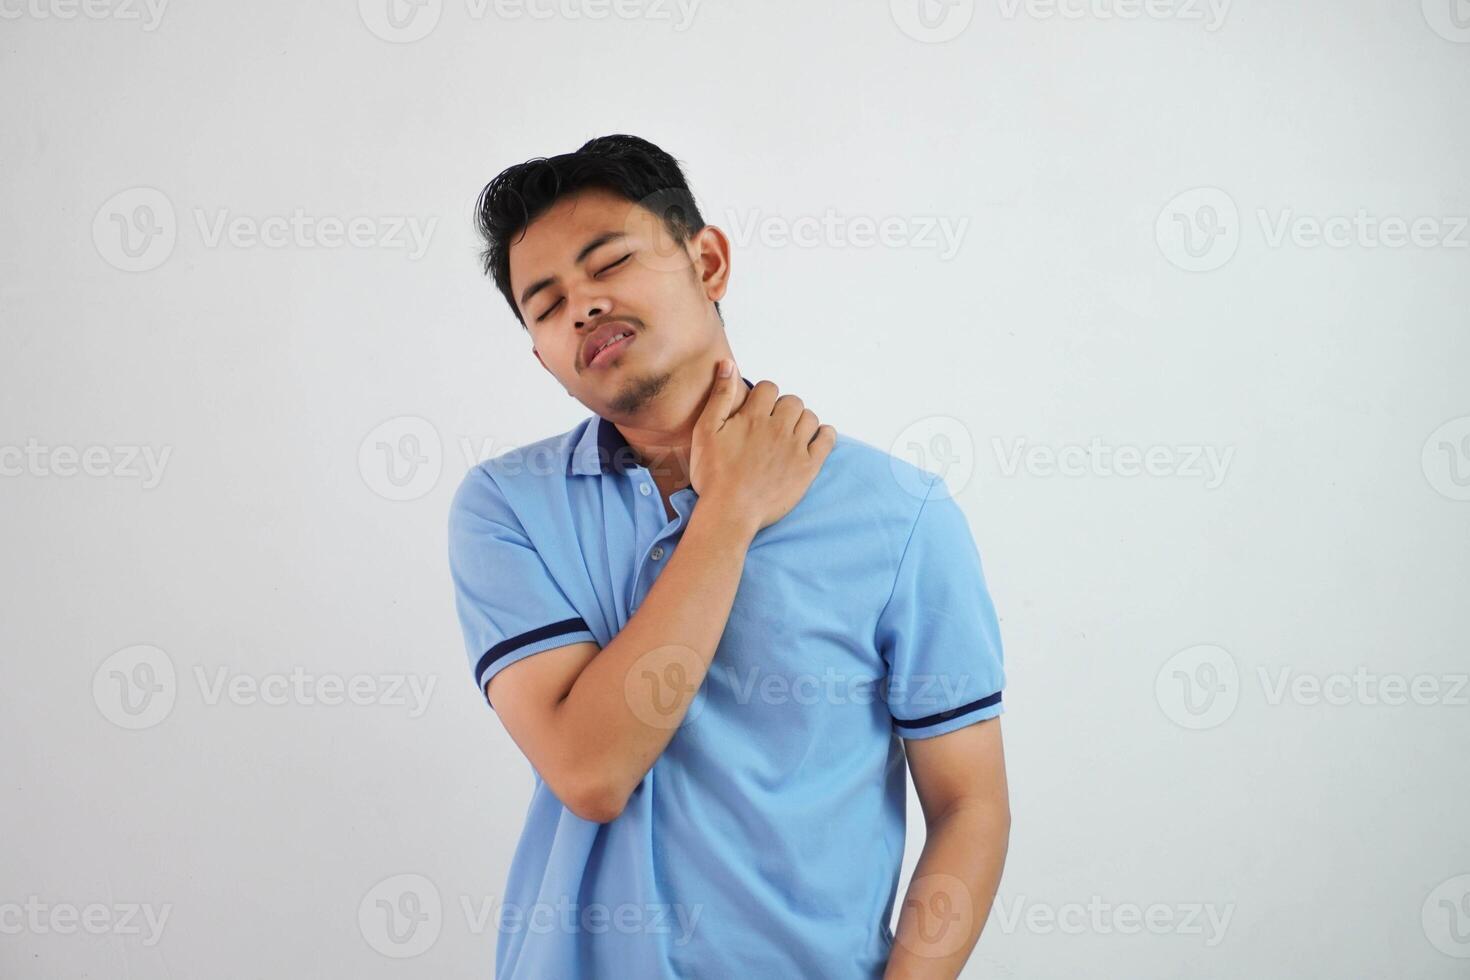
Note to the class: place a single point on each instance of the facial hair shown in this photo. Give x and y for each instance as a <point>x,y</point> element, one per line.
<point>636,393</point>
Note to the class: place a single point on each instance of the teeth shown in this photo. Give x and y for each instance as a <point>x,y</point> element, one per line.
<point>609,342</point>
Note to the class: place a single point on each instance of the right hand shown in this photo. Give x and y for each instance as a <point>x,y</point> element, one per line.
<point>756,463</point>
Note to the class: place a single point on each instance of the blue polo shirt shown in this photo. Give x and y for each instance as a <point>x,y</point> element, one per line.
<point>766,840</point>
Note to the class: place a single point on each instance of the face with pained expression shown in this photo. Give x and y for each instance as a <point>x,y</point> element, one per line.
<point>617,309</point>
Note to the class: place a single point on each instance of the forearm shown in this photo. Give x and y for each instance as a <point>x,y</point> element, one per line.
<point>628,701</point>
<point>951,892</point>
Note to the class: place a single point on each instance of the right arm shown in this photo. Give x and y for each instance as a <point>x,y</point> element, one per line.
<point>592,722</point>
<point>590,732</point>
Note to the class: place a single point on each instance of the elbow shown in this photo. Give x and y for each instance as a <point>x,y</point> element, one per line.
<point>597,802</point>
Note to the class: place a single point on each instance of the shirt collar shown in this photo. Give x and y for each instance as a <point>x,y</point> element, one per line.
<point>602,448</point>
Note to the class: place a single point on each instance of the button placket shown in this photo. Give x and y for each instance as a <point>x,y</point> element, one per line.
<point>645,488</point>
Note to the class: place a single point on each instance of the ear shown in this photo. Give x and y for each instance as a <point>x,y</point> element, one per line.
<point>711,249</point>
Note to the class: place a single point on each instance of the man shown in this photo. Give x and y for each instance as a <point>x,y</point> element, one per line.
<point>715,628</point>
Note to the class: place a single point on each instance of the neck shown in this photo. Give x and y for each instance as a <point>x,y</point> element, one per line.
<point>663,432</point>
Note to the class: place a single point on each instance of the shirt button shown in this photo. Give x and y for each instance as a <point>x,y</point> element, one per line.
<point>657,552</point>
<point>645,489</point>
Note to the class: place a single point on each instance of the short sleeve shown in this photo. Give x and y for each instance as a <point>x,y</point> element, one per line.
<point>509,605</point>
<point>938,633</point>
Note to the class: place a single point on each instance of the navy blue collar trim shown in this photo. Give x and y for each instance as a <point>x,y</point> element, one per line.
<point>613,451</point>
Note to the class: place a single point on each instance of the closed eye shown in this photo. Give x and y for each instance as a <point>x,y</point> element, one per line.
<point>599,272</point>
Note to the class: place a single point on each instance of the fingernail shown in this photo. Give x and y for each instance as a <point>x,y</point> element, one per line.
<point>726,367</point>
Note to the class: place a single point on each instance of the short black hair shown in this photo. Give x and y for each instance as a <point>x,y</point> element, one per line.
<point>631,167</point>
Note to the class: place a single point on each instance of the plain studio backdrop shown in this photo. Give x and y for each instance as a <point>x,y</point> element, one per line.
<point>1174,293</point>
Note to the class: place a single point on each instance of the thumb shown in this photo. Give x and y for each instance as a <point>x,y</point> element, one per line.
<point>721,396</point>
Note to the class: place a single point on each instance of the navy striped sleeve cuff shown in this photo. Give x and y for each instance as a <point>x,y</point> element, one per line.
<point>928,720</point>
<point>512,644</point>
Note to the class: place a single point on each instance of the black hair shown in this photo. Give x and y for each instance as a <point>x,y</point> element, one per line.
<point>629,166</point>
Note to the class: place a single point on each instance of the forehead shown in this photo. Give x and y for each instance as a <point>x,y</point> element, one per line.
<point>553,239</point>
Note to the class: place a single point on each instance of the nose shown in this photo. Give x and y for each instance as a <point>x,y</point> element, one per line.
<point>588,307</point>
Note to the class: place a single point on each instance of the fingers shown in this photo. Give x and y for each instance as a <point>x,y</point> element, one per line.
<point>760,399</point>
<point>822,443</point>
<point>787,410</point>
<point>806,427</point>
<point>721,396</point>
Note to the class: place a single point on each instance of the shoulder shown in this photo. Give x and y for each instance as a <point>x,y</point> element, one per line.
<point>879,476</point>
<point>497,487</point>
<point>865,490</point>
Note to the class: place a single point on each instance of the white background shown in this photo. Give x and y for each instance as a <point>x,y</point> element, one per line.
<point>1149,619</point>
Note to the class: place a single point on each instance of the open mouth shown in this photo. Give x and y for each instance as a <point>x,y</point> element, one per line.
<point>614,344</point>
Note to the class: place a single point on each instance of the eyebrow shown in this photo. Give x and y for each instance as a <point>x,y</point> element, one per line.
<point>597,242</point>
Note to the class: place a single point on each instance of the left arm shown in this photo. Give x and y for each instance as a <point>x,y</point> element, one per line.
<point>960,780</point>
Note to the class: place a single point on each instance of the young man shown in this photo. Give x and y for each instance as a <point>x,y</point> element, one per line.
<point>715,628</point>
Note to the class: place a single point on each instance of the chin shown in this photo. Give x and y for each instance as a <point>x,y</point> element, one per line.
<point>636,389</point>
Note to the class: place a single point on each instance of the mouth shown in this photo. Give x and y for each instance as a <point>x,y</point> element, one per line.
<point>610,348</point>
